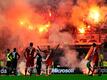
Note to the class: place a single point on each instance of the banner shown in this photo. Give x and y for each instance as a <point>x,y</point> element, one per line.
<point>62,71</point>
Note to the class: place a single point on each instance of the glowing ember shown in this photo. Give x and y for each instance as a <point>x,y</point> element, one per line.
<point>94,14</point>
<point>50,14</point>
<point>89,26</point>
<point>22,22</point>
<point>82,30</point>
<point>30,27</point>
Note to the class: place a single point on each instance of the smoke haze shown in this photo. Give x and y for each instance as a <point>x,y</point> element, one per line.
<point>40,21</point>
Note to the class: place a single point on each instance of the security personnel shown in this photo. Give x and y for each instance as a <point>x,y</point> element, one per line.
<point>101,55</point>
<point>9,61</point>
<point>0,67</point>
<point>101,59</point>
<point>15,58</point>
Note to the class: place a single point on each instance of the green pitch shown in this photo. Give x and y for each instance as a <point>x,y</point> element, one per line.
<point>56,77</point>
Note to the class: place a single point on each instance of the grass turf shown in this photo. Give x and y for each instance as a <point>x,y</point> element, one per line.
<point>56,77</point>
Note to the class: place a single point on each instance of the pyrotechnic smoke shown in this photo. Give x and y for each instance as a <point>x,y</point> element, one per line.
<point>21,68</point>
<point>83,66</point>
<point>27,18</point>
<point>70,58</point>
<point>41,22</point>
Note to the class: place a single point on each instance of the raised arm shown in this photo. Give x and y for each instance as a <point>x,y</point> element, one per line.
<point>35,53</point>
<point>57,47</point>
<point>18,55</point>
<point>47,57</point>
<point>39,48</point>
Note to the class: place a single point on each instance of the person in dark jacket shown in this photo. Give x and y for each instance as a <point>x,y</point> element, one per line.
<point>15,58</point>
<point>38,62</point>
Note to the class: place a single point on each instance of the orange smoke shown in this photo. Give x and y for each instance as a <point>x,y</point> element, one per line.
<point>26,23</point>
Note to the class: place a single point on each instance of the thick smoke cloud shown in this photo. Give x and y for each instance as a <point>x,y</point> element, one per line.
<point>20,21</point>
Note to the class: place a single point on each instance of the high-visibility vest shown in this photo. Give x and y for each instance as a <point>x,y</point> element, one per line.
<point>0,62</point>
<point>9,59</point>
<point>101,56</point>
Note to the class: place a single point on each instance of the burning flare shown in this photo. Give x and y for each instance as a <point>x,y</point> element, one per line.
<point>94,14</point>
<point>82,30</point>
<point>44,28</point>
